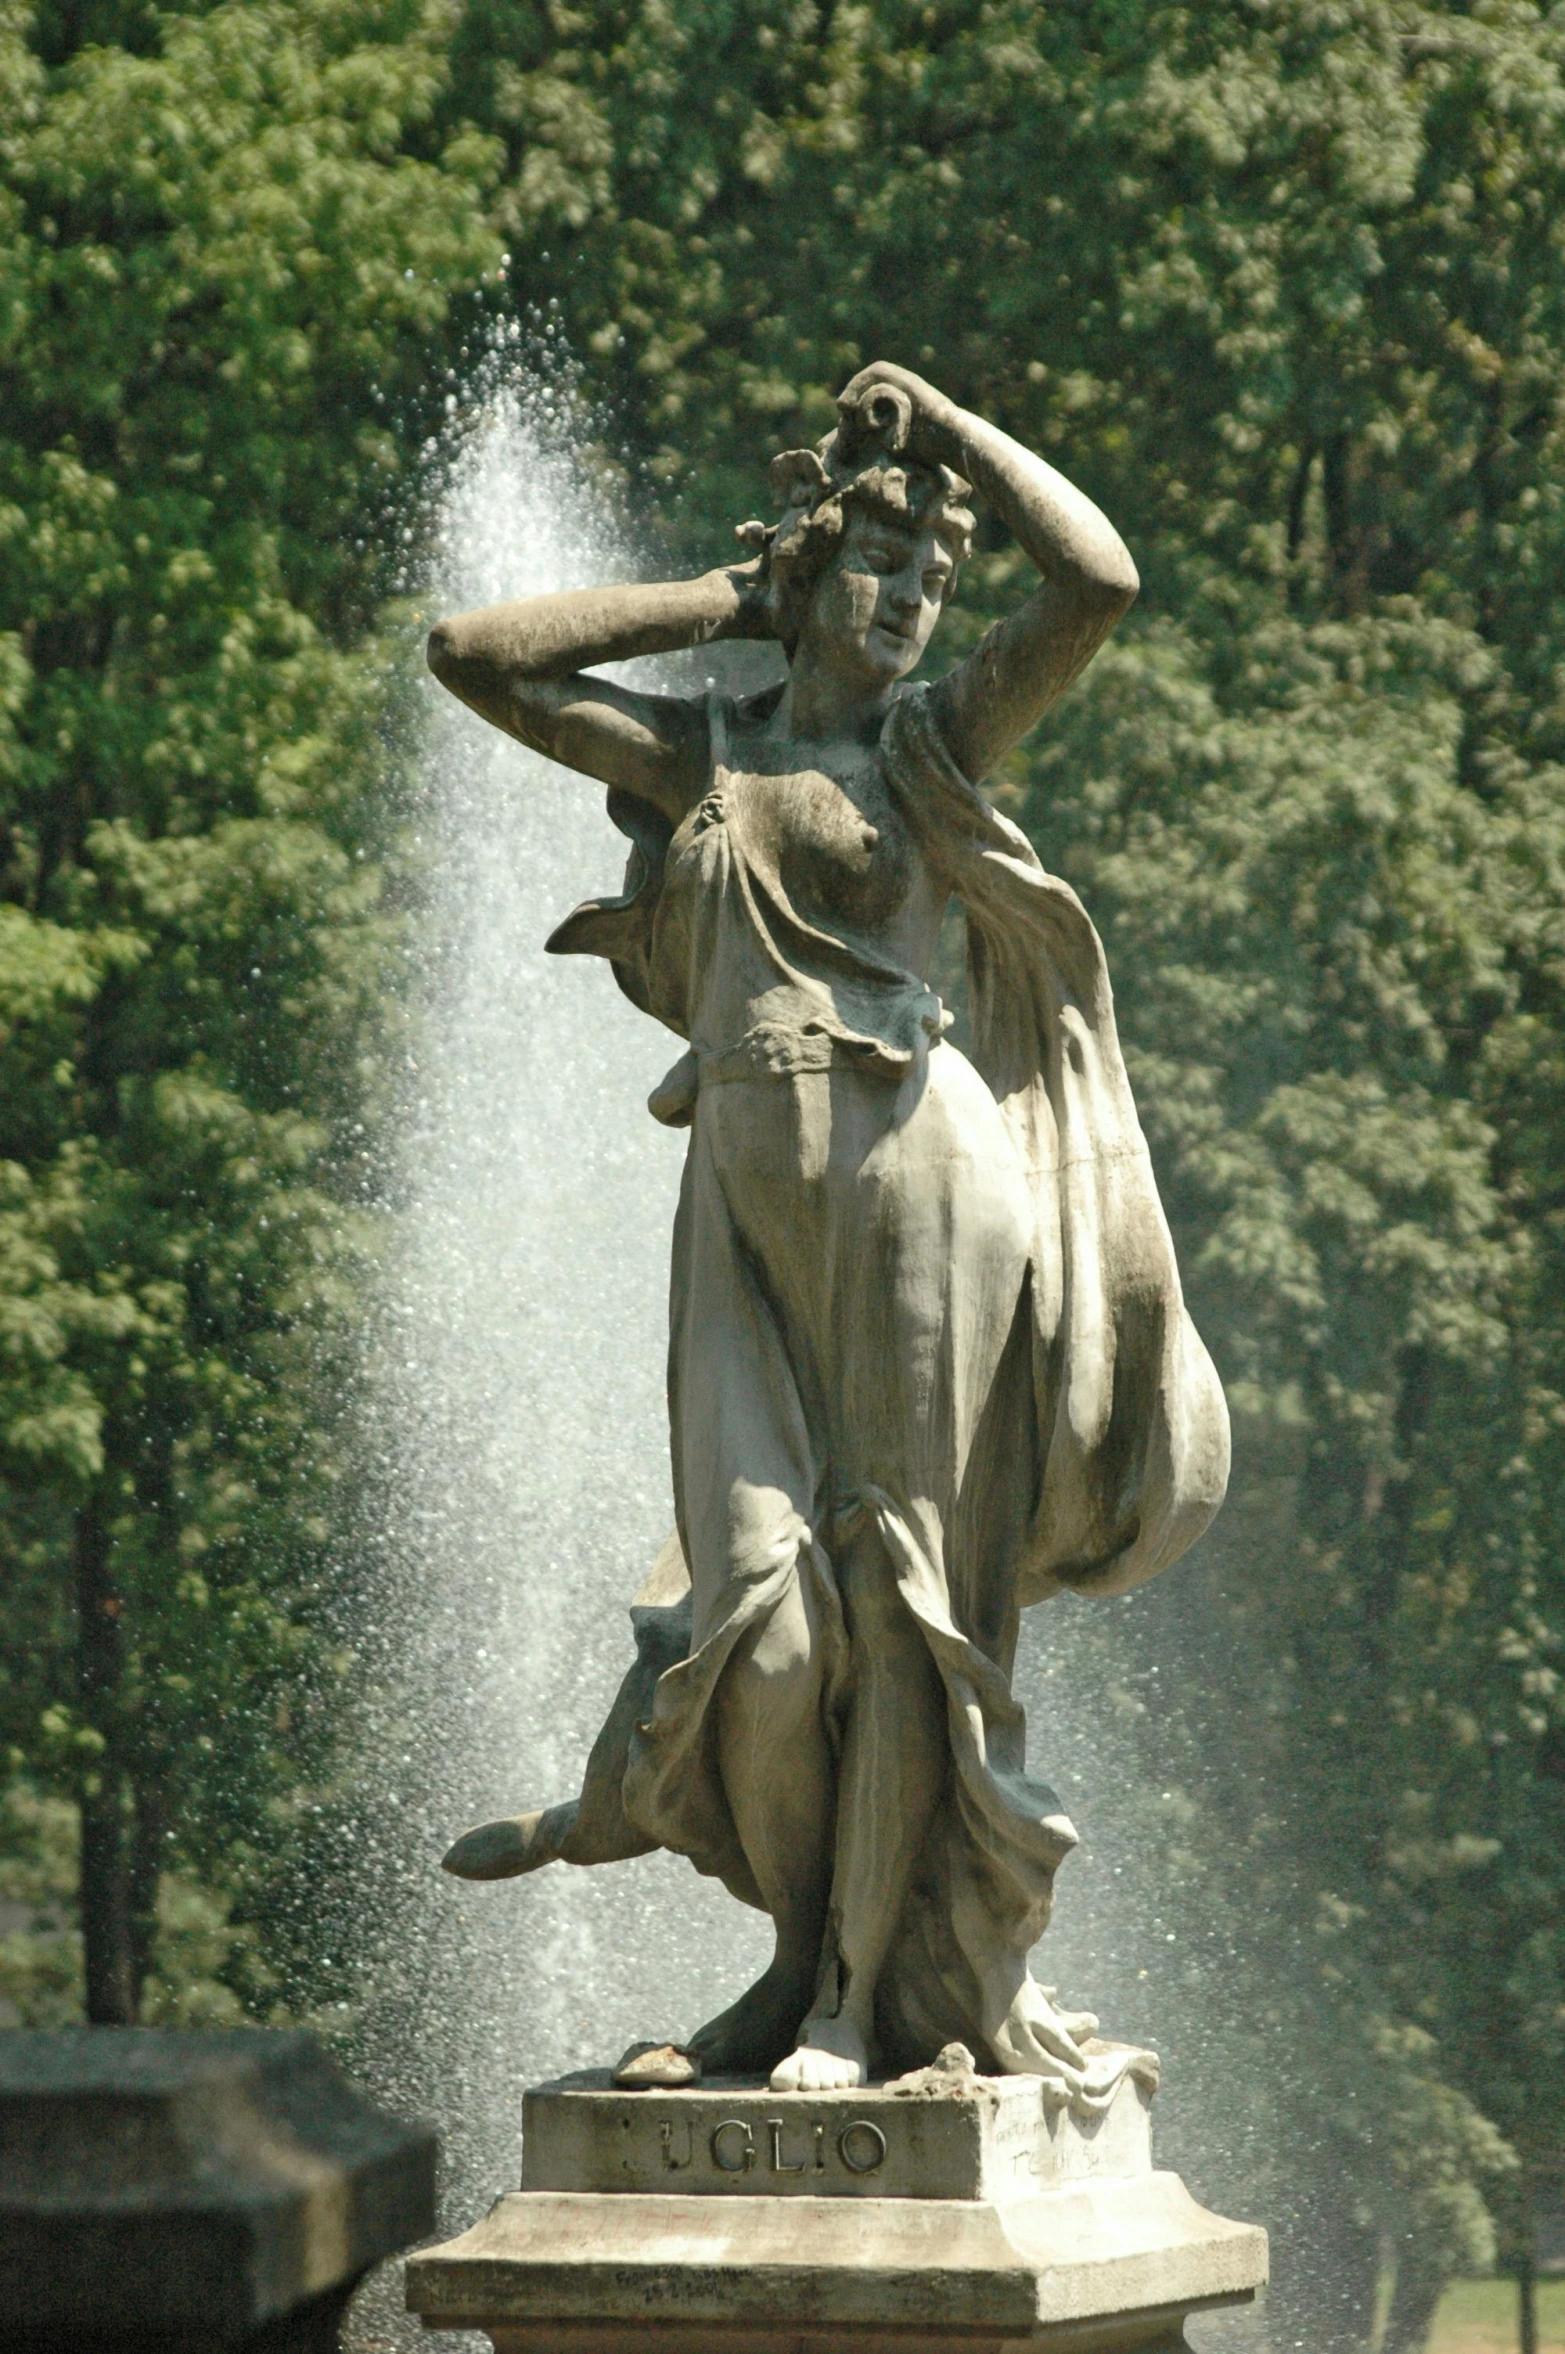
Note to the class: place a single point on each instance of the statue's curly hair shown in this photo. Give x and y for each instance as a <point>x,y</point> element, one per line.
<point>859,465</point>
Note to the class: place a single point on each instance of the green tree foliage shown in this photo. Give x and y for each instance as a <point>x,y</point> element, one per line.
<point>225,243</point>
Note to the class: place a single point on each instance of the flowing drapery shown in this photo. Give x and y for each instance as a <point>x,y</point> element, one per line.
<point>920,1302</point>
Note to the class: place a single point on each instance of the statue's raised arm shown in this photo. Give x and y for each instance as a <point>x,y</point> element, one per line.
<point>525,668</point>
<point>1025,662</point>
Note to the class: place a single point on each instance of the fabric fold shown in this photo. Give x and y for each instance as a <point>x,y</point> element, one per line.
<point>1132,1415</point>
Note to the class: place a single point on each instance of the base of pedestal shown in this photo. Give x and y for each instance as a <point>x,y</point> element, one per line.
<point>1086,2269</point>
<point>1154,2333</point>
<point>1157,2334</point>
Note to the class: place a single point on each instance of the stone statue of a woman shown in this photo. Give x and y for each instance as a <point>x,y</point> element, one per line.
<point>929,1360</point>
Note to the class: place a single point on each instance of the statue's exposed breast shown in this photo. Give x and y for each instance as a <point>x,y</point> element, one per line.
<point>836,840</point>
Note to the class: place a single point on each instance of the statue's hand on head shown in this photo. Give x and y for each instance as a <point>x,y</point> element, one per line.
<point>886,403</point>
<point>749,580</point>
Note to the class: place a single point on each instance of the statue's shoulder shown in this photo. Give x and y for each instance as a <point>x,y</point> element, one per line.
<point>920,763</point>
<point>732,719</point>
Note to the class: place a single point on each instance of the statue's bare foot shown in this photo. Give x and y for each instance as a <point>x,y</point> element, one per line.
<point>751,2036</point>
<point>517,1843</point>
<point>832,2056</point>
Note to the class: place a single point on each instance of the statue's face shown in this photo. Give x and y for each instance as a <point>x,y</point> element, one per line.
<point>876,606</point>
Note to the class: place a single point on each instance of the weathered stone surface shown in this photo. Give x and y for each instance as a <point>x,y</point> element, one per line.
<point>994,2138</point>
<point>186,2190</point>
<point>1115,2334</point>
<point>992,2213</point>
<point>1097,2252</point>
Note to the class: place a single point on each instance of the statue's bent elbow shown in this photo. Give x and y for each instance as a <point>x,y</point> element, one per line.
<point>440,652</point>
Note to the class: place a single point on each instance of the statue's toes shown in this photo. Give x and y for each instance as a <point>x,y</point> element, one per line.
<point>810,2070</point>
<point>498,1851</point>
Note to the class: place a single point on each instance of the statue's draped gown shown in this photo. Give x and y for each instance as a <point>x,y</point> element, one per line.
<point>912,1292</point>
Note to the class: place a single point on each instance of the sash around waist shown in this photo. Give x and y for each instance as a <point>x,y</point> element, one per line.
<point>771,1051</point>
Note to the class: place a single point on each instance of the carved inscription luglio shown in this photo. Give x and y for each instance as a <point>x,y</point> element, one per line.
<point>773,2145</point>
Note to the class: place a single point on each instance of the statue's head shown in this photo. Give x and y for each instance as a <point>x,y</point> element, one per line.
<point>867,551</point>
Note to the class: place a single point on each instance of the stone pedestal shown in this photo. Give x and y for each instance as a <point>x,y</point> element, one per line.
<point>171,2192</point>
<point>970,2212</point>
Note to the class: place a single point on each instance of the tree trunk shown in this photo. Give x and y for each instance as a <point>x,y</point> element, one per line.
<point>146,1868</point>
<point>1354,535</point>
<point>1298,499</point>
<point>1421,2277</point>
<point>1527,2306</point>
<point>107,1946</point>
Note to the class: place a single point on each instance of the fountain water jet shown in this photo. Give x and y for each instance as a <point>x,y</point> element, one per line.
<point>517,1394</point>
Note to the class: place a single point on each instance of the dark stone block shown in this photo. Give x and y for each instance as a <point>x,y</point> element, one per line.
<point>189,2192</point>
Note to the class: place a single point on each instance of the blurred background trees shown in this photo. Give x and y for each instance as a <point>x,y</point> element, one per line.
<point>219,260</point>
<point>1283,286</point>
